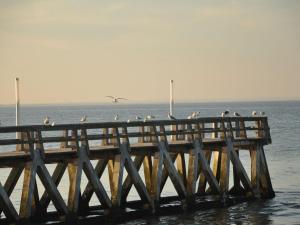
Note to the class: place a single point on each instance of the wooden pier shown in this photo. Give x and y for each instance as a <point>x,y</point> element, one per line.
<point>195,154</point>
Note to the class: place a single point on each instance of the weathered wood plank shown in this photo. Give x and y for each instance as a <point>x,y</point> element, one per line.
<point>27,190</point>
<point>56,178</point>
<point>7,206</point>
<point>206,168</point>
<point>51,189</point>
<point>181,167</point>
<point>75,172</point>
<point>255,170</point>
<point>89,190</point>
<point>138,160</point>
<point>96,184</point>
<point>11,181</point>
<point>135,177</point>
<point>117,180</point>
<point>148,172</point>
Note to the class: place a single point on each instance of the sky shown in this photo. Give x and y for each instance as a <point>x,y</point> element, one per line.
<point>75,51</point>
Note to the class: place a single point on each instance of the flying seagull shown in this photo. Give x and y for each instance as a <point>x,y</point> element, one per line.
<point>83,119</point>
<point>171,117</point>
<point>225,113</point>
<point>115,99</point>
<point>46,120</point>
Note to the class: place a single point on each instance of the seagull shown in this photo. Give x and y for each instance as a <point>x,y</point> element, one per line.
<point>190,117</point>
<point>46,120</point>
<point>149,117</point>
<point>53,124</point>
<point>262,113</point>
<point>138,118</point>
<point>254,113</point>
<point>116,99</point>
<point>195,115</point>
<point>225,113</point>
<point>116,117</point>
<point>171,117</point>
<point>83,119</point>
<point>236,114</point>
<point>128,121</point>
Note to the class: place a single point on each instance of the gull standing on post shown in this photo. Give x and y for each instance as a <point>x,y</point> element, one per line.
<point>115,99</point>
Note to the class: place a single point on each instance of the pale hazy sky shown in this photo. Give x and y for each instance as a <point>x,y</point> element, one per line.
<point>69,51</point>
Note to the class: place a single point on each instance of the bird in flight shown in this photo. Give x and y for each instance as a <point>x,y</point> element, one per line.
<point>115,99</point>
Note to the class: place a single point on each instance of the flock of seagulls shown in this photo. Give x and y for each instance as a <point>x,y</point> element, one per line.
<point>193,115</point>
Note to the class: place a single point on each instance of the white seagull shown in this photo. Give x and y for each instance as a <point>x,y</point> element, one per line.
<point>53,124</point>
<point>138,117</point>
<point>83,119</point>
<point>254,113</point>
<point>171,117</point>
<point>236,114</point>
<point>116,117</point>
<point>149,117</point>
<point>225,113</point>
<point>46,120</point>
<point>115,99</point>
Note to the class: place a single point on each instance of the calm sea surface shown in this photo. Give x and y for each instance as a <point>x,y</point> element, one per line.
<point>283,156</point>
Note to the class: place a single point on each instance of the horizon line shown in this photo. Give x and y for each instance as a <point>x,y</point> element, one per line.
<point>156,102</point>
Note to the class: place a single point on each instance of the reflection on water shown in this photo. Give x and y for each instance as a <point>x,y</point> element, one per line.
<point>283,156</point>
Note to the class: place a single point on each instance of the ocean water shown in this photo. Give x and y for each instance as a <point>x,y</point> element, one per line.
<point>283,155</point>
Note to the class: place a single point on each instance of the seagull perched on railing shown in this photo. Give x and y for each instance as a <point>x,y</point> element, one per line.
<point>171,117</point>
<point>254,113</point>
<point>46,120</point>
<point>149,117</point>
<point>236,114</point>
<point>116,117</point>
<point>53,124</point>
<point>83,119</point>
<point>115,99</point>
<point>225,113</point>
<point>138,117</point>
